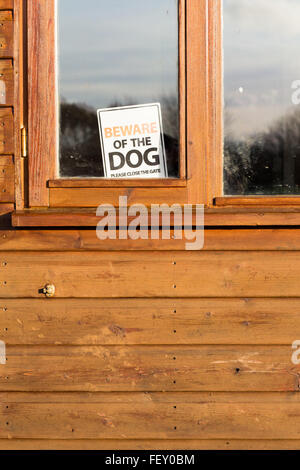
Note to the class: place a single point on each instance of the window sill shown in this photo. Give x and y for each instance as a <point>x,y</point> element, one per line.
<point>115,183</point>
<point>257,201</point>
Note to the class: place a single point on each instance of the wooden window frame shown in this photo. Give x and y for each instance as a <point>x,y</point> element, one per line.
<point>45,190</point>
<point>72,201</point>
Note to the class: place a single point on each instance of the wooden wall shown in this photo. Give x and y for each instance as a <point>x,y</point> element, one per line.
<point>7,177</point>
<point>143,349</point>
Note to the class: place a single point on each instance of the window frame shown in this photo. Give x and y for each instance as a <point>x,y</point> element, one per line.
<point>201,86</point>
<point>45,190</point>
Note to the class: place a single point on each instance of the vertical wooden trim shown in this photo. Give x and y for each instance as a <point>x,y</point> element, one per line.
<point>215,101</point>
<point>197,100</point>
<point>204,100</point>
<point>182,88</point>
<point>41,99</point>
<point>18,102</point>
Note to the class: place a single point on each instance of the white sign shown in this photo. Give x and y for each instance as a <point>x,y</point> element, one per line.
<point>132,142</point>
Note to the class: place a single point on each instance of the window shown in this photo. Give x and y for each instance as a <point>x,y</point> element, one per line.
<point>261,121</point>
<point>225,90</point>
<point>114,54</point>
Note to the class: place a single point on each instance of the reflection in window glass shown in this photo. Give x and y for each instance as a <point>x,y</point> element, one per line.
<point>114,53</point>
<point>262,111</point>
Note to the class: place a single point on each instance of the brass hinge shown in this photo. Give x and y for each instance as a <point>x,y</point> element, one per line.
<point>23,142</point>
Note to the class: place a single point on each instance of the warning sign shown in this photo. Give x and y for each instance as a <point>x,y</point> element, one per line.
<point>132,142</point>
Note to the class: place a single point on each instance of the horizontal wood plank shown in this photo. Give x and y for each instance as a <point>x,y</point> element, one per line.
<point>93,197</point>
<point>149,368</point>
<point>150,444</point>
<point>153,397</point>
<point>7,179</point>
<point>140,322</point>
<point>86,240</point>
<point>263,200</point>
<point>146,274</point>
<point>119,183</point>
<point>6,131</point>
<point>6,83</point>
<point>6,34</point>
<point>217,216</point>
<point>150,421</point>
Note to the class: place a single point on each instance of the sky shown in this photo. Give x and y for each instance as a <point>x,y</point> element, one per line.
<point>117,50</point>
<point>261,60</point>
<point>126,51</point>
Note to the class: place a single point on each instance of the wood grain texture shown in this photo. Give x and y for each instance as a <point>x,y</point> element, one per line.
<point>6,131</point>
<point>86,240</point>
<point>149,274</point>
<point>80,240</point>
<point>93,197</point>
<point>7,179</point>
<point>150,421</point>
<point>6,4</point>
<point>214,144</point>
<point>182,88</point>
<point>41,99</point>
<point>6,83</point>
<point>197,73</point>
<point>125,398</point>
<point>138,322</point>
<point>119,183</point>
<point>150,444</point>
<point>216,217</point>
<point>150,368</point>
<point>20,103</point>
<point>271,201</point>
<point>6,35</point>
<point>291,400</point>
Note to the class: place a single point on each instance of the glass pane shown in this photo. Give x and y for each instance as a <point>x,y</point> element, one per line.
<point>261,87</point>
<point>114,53</point>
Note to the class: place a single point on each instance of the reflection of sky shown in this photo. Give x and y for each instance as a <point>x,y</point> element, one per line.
<point>117,50</point>
<point>261,60</point>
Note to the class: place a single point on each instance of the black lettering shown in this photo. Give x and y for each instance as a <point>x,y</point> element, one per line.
<point>140,158</point>
<point>113,165</point>
<point>155,158</point>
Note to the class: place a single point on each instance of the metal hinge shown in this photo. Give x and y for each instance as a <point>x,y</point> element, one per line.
<point>23,142</point>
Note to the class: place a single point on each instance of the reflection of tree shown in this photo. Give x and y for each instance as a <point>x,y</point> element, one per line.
<point>170,116</point>
<point>80,151</point>
<point>265,163</point>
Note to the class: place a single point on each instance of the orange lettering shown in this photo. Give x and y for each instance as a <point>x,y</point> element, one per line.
<point>116,132</point>
<point>153,128</point>
<point>137,129</point>
<point>145,128</point>
<point>108,132</point>
<point>127,130</point>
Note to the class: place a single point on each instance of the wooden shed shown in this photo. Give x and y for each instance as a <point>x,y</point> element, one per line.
<point>141,343</point>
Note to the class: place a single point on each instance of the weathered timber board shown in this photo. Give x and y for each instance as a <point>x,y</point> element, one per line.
<point>7,179</point>
<point>149,274</point>
<point>6,34</point>
<point>86,240</point>
<point>150,421</point>
<point>140,321</point>
<point>6,83</point>
<point>6,131</point>
<point>150,444</point>
<point>149,368</point>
